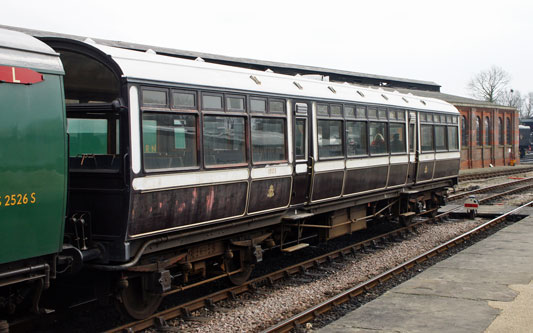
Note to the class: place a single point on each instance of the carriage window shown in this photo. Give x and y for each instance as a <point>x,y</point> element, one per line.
<point>361,112</point>
<point>356,138</point>
<point>426,132</point>
<point>336,110</point>
<point>299,139</point>
<point>224,140</point>
<point>169,141</point>
<point>372,112</point>
<point>183,100</point>
<point>453,143</point>
<point>329,138</point>
<point>349,112</point>
<point>440,137</point>
<point>87,136</point>
<point>154,98</point>
<point>412,138</point>
<point>268,139</point>
<point>401,115</point>
<point>382,113</point>
<point>378,135</point>
<point>397,138</point>
<point>235,103</point>
<point>212,102</point>
<point>276,106</point>
<point>322,109</point>
<point>258,105</point>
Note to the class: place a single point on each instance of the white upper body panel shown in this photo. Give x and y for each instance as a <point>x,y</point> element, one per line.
<point>154,67</point>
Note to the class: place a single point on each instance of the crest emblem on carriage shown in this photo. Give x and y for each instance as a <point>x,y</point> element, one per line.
<point>270,192</point>
<point>426,169</point>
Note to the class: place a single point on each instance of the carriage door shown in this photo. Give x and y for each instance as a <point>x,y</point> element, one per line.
<point>412,148</point>
<point>301,150</point>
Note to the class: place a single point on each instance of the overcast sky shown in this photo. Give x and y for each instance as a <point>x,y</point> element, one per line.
<point>442,41</point>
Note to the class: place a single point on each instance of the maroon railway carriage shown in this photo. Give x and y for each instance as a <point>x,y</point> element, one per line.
<point>183,171</point>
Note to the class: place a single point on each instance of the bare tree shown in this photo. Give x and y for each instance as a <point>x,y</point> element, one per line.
<point>511,98</point>
<point>490,84</point>
<point>527,107</point>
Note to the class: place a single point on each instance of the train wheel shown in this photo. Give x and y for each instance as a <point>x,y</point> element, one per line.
<point>243,276</point>
<point>241,262</point>
<point>137,302</point>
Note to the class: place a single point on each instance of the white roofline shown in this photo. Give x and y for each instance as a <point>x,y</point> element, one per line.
<point>151,66</point>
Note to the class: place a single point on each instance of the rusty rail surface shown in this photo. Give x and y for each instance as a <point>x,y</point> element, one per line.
<point>315,311</point>
<point>184,310</point>
<point>490,174</point>
<point>488,189</point>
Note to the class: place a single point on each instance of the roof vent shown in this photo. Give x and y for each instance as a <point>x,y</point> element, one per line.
<point>317,77</point>
<point>298,85</point>
<point>405,100</point>
<point>150,51</point>
<point>255,79</point>
<point>89,41</point>
<point>360,93</point>
<point>423,102</point>
<point>384,97</point>
<point>199,59</point>
<point>332,89</point>
<point>268,70</point>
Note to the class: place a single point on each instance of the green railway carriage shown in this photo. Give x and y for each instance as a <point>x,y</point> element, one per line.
<point>33,160</point>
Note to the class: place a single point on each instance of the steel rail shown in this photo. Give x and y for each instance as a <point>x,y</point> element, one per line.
<point>313,312</point>
<point>491,174</point>
<point>488,189</point>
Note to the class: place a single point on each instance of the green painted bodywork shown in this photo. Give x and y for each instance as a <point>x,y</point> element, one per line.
<point>33,160</point>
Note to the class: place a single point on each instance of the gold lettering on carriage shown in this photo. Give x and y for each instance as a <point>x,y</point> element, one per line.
<point>270,192</point>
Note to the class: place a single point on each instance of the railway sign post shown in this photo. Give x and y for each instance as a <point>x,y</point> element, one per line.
<point>471,205</point>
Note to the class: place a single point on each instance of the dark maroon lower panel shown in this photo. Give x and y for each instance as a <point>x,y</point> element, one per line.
<point>446,168</point>
<point>361,180</point>
<point>412,173</point>
<point>173,208</point>
<point>425,171</point>
<point>327,185</point>
<point>269,194</point>
<point>300,188</point>
<point>397,174</point>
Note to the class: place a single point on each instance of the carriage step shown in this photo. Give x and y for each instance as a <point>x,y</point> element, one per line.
<point>295,247</point>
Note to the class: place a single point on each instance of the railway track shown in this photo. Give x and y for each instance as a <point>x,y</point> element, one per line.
<point>345,296</point>
<point>184,310</point>
<point>461,195</point>
<point>491,174</point>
